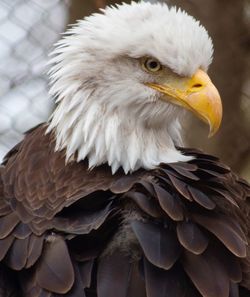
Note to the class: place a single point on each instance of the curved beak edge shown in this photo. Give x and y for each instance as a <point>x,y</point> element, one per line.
<point>197,94</point>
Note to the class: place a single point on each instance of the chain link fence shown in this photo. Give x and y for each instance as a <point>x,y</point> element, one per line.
<point>28,29</point>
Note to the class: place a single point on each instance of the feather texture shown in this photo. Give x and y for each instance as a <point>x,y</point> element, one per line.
<point>67,231</point>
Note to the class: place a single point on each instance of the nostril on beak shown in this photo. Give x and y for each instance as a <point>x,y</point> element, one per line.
<point>197,86</point>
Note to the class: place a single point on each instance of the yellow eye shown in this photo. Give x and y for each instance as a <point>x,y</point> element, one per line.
<point>151,65</point>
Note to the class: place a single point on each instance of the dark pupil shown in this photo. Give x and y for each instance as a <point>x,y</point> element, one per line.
<point>153,64</point>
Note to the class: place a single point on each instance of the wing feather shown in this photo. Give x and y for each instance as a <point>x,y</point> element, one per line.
<point>189,222</point>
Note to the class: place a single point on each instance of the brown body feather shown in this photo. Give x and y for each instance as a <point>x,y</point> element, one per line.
<point>180,230</point>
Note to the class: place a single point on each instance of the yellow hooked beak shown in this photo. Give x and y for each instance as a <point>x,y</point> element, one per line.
<point>197,94</point>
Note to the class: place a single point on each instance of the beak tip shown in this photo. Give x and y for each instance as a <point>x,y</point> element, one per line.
<point>213,129</point>
<point>211,134</point>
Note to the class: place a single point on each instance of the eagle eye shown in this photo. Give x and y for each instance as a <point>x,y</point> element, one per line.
<point>151,65</point>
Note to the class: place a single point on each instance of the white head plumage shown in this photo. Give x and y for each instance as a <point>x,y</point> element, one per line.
<point>105,112</point>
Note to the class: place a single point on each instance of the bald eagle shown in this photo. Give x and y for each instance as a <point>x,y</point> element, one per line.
<point>103,200</point>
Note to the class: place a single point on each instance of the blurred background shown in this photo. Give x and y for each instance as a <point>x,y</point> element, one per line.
<point>29,28</point>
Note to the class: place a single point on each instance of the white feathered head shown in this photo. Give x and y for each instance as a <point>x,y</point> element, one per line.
<point>121,79</point>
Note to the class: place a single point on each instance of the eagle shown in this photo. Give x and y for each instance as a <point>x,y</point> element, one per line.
<point>103,200</point>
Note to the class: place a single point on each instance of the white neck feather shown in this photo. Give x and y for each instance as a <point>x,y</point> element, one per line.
<point>88,129</point>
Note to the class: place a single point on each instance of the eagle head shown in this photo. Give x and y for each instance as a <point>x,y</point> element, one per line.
<point>122,79</point>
